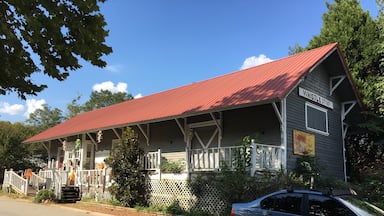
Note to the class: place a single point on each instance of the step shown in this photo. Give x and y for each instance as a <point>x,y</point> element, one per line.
<point>70,194</point>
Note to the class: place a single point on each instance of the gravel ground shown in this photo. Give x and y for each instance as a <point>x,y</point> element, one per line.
<point>92,207</point>
<point>107,209</point>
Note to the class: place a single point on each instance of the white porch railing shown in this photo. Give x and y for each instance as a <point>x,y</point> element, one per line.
<point>60,179</point>
<point>15,182</point>
<point>211,158</point>
<point>152,160</point>
<point>90,177</point>
<point>263,157</point>
<point>36,181</point>
<point>46,174</point>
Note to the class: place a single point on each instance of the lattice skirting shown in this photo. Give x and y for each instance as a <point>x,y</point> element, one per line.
<point>165,191</point>
<point>95,193</point>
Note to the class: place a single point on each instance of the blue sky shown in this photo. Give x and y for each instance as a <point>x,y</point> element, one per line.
<point>162,44</point>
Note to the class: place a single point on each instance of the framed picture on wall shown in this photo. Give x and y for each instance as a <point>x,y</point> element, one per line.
<point>303,143</point>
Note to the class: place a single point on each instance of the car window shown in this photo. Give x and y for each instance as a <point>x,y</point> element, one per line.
<point>288,203</point>
<point>324,206</point>
<point>360,206</point>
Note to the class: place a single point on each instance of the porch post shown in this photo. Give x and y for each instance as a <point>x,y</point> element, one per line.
<point>48,148</point>
<point>159,161</point>
<point>188,151</point>
<point>283,112</point>
<point>187,159</point>
<point>253,157</point>
<point>282,117</point>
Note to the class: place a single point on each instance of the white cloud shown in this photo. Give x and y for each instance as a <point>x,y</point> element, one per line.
<point>14,109</point>
<point>138,96</point>
<point>254,61</point>
<point>113,68</point>
<point>33,105</point>
<point>108,85</point>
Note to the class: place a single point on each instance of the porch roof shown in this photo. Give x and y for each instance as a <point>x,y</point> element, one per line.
<point>260,84</point>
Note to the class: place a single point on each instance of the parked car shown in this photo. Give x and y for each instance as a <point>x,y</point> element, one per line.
<point>306,202</point>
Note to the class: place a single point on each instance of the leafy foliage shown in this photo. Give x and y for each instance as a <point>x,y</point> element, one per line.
<point>242,156</point>
<point>44,195</point>
<point>45,118</point>
<point>359,37</point>
<point>235,184</point>
<point>58,32</point>
<point>372,184</point>
<point>355,31</point>
<point>13,154</point>
<point>170,166</point>
<point>307,167</point>
<point>103,98</point>
<point>97,99</point>
<point>361,41</point>
<point>129,186</point>
<point>174,208</point>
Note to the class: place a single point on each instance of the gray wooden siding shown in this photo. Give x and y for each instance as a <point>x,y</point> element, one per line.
<point>166,136</point>
<point>237,123</point>
<point>328,148</point>
<point>261,120</point>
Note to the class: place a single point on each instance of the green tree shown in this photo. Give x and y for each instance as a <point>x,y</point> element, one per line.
<point>45,118</point>
<point>380,23</point>
<point>129,186</point>
<point>295,49</point>
<point>98,99</point>
<point>58,32</point>
<point>103,98</point>
<point>358,37</point>
<point>41,120</point>
<point>14,154</point>
<point>74,108</point>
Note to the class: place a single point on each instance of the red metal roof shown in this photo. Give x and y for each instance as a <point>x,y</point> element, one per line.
<point>267,82</point>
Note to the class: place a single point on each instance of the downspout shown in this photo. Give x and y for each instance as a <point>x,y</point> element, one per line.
<point>344,133</point>
<point>346,107</point>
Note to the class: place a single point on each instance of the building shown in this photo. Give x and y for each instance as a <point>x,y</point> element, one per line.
<point>301,104</point>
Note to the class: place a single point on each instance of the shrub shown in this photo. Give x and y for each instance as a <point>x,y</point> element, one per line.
<point>129,186</point>
<point>307,167</point>
<point>174,208</point>
<point>371,185</point>
<point>44,196</point>
<point>171,166</point>
<point>234,182</point>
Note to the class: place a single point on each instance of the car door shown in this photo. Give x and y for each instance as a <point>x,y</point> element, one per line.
<point>320,205</point>
<point>285,204</point>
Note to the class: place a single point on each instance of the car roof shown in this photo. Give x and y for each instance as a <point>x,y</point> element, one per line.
<point>316,192</point>
<point>326,192</point>
<point>285,191</point>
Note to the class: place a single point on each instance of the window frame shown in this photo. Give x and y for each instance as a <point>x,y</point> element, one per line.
<point>321,109</point>
<point>276,207</point>
<point>335,206</point>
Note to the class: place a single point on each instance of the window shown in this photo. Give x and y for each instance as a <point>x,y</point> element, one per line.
<point>316,118</point>
<point>288,203</point>
<point>326,206</point>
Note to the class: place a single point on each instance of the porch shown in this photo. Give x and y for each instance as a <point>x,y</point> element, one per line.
<point>262,157</point>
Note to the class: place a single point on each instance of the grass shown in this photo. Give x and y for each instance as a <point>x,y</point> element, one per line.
<point>15,195</point>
